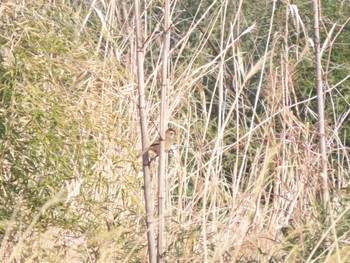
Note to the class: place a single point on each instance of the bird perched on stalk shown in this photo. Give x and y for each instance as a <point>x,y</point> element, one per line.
<point>155,146</point>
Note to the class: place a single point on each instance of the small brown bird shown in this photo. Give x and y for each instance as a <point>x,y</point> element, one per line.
<point>155,146</point>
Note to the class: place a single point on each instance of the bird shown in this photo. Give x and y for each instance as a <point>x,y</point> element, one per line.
<point>155,146</point>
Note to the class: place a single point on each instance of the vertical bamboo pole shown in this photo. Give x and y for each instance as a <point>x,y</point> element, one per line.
<point>145,141</point>
<point>320,107</point>
<point>163,124</point>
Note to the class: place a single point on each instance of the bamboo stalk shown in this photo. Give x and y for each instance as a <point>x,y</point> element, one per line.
<point>163,124</point>
<point>145,141</point>
<point>320,108</point>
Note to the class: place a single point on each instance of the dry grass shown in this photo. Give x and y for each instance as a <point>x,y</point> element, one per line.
<point>243,182</point>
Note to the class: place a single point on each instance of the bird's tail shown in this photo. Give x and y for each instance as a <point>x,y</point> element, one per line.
<point>143,152</point>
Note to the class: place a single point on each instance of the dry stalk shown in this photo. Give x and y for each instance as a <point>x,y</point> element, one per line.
<point>145,140</point>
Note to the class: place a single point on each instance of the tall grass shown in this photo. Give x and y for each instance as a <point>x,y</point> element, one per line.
<point>243,181</point>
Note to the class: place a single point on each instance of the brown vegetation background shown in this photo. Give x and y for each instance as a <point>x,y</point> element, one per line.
<point>243,183</point>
